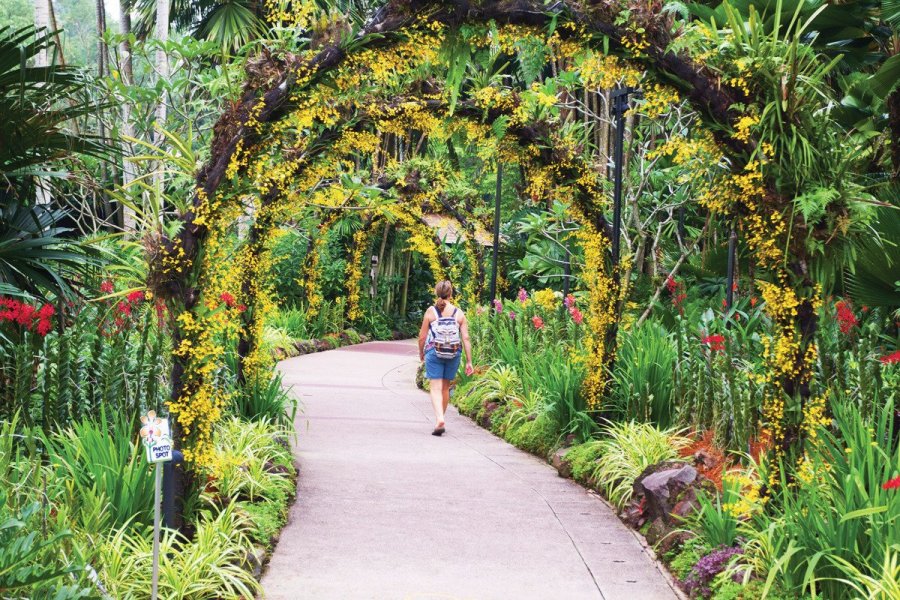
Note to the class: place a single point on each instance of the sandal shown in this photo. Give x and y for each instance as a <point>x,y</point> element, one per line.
<point>438,431</point>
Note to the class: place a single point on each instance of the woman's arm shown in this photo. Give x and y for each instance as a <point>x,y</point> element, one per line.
<point>467,344</point>
<point>423,333</point>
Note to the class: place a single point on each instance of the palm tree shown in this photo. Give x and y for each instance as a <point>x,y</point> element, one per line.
<point>36,104</point>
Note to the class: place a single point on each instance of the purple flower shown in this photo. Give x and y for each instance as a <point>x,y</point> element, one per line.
<point>523,295</point>
<point>702,574</point>
<point>512,315</point>
<point>498,306</point>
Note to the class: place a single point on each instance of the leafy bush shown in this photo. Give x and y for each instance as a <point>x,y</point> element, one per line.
<point>265,399</point>
<point>625,451</point>
<point>643,375</point>
<point>558,380</point>
<point>835,530</point>
<point>717,526</point>
<point>250,462</point>
<point>101,469</point>
<point>209,566</point>
<point>32,565</point>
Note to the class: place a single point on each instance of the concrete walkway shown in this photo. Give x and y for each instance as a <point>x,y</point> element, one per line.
<point>385,510</point>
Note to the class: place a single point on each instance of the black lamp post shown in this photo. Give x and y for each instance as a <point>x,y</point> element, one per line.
<point>621,104</point>
<point>496,248</point>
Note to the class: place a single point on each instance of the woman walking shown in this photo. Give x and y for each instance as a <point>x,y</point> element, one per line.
<point>443,336</point>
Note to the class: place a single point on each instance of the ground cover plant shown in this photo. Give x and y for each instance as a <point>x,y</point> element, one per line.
<point>182,208</point>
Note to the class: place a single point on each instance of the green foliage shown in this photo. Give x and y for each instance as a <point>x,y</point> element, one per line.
<point>209,566</point>
<point>35,255</point>
<point>266,519</point>
<point>716,525</point>
<point>32,565</point>
<point>834,533</point>
<point>625,450</point>
<point>643,375</point>
<point>253,462</point>
<point>36,104</point>
<point>718,388</point>
<point>264,399</point>
<point>105,478</point>
<point>687,556</point>
<point>102,359</point>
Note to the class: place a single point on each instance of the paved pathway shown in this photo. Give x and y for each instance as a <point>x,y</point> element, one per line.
<point>385,510</point>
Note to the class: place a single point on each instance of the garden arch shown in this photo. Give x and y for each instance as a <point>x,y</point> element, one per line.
<point>397,30</point>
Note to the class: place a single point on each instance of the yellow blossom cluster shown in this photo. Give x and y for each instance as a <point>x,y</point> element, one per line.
<point>546,299</point>
<point>744,126</point>
<point>658,100</point>
<point>600,309</point>
<point>604,72</point>
<point>745,493</point>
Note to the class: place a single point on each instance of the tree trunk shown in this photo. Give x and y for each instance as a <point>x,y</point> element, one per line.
<point>162,63</point>
<point>126,70</point>
<point>42,21</point>
<point>893,106</point>
<point>384,239</point>
<point>61,58</point>
<point>41,59</point>
<point>405,296</point>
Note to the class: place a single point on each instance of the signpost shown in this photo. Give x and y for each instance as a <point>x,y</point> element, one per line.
<point>158,444</point>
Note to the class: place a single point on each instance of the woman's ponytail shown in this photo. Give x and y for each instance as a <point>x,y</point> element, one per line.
<point>443,291</point>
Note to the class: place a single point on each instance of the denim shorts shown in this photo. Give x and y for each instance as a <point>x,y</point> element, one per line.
<point>441,368</point>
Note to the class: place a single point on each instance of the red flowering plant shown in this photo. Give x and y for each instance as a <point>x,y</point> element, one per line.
<point>676,293</point>
<point>715,342</point>
<point>846,318</point>
<point>23,317</point>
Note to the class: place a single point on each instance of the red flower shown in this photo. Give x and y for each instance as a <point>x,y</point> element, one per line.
<point>569,301</point>
<point>576,315</point>
<point>715,342</point>
<point>891,358</point>
<point>724,303</point>
<point>892,484</point>
<point>27,316</point>
<point>228,299</point>
<point>242,307</point>
<point>846,319</point>
<point>734,286</point>
<point>106,287</point>
<point>135,296</point>
<point>124,308</point>
<point>44,319</point>
<point>753,301</point>
<point>676,290</point>
<point>538,322</point>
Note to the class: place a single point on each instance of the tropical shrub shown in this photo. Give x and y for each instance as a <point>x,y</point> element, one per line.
<point>835,529</point>
<point>34,565</point>
<point>265,399</point>
<point>209,566</point>
<point>643,376</point>
<point>103,476</point>
<point>625,450</point>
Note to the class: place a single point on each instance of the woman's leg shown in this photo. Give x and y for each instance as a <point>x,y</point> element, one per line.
<point>437,401</point>
<point>446,393</point>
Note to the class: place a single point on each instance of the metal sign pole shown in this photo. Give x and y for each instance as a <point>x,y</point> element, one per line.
<point>156,526</point>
